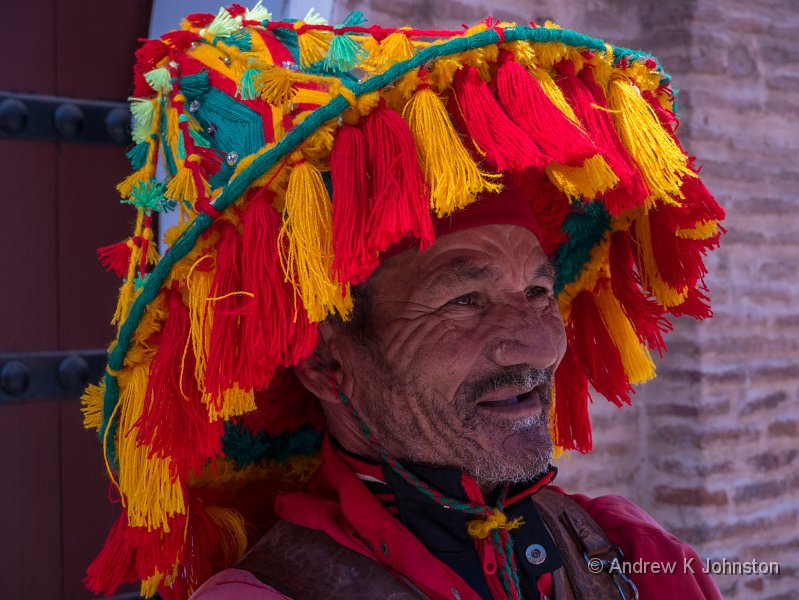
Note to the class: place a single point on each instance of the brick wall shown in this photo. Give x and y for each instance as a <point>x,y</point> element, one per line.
<point>711,447</point>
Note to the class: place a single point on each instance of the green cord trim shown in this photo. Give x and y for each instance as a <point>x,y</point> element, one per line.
<point>236,187</point>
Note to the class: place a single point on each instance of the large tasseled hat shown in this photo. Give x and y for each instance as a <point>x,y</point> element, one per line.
<point>296,152</point>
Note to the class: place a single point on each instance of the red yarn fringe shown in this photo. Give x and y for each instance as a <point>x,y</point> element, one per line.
<point>174,421</point>
<point>645,315</point>
<point>596,350</point>
<point>354,260</point>
<point>503,143</point>
<point>572,422</point>
<point>400,198</point>
<point>115,258</point>
<point>583,94</point>
<point>531,109</point>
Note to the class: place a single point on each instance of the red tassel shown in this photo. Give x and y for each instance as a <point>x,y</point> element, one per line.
<point>400,198</point>
<point>525,101</point>
<point>645,315</point>
<point>354,261</point>
<point>271,335</point>
<point>572,422</point>
<point>210,160</point>
<point>116,258</point>
<point>227,304</point>
<point>680,261</point>
<point>115,564</point>
<point>181,40</point>
<point>504,144</point>
<point>157,551</point>
<point>696,305</point>
<point>235,10</point>
<point>200,19</point>
<point>174,421</point>
<point>595,349</point>
<point>583,94</point>
<point>147,58</point>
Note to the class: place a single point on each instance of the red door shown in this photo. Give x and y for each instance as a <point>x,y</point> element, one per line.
<point>58,205</point>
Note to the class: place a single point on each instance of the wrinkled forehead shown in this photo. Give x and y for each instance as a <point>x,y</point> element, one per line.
<point>486,253</point>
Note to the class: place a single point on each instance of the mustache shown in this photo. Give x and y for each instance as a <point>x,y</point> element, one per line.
<point>475,387</point>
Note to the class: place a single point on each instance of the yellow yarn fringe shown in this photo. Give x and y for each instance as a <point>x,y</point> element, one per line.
<point>636,358</point>
<point>232,403</point>
<point>198,287</point>
<point>308,260</point>
<point>554,94</point>
<point>149,490</point>
<point>275,85</point>
<point>598,267</point>
<point>313,44</point>
<point>182,187</point>
<point>660,160</point>
<point>226,474</point>
<point>125,187</point>
<point>231,521</point>
<point>92,406</point>
<point>701,231</point>
<point>588,180</point>
<point>482,528</point>
<point>454,178</point>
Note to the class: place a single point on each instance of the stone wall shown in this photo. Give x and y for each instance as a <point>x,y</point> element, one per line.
<point>710,447</point>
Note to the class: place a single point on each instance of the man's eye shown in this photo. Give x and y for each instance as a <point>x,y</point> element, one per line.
<point>465,300</point>
<point>537,291</point>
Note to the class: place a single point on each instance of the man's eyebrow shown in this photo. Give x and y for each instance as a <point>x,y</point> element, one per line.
<point>546,269</point>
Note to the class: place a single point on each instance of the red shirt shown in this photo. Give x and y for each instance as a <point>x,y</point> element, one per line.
<point>340,504</point>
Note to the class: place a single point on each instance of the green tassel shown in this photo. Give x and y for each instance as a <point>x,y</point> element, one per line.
<point>246,89</point>
<point>143,113</point>
<point>159,79</point>
<point>138,155</point>
<point>344,54</point>
<point>586,228</point>
<point>110,400</point>
<point>140,280</point>
<point>148,196</point>
<point>354,19</point>
<point>247,448</point>
<point>194,86</point>
<point>181,149</point>
<point>223,24</point>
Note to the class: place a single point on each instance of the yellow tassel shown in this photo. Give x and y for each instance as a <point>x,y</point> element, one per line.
<point>701,231</point>
<point>557,451</point>
<point>442,72</point>
<point>588,180</point>
<point>397,96</point>
<point>172,128</point>
<point>308,260</point>
<point>92,406</point>
<point>182,186</point>
<point>275,85</point>
<point>149,490</point>
<point>313,44</point>
<point>125,187</point>
<point>453,176</point>
<point>149,586</point>
<point>660,160</point>
<point>482,528</point>
<point>198,286</point>
<point>650,275</point>
<point>232,403</point>
<point>636,358</point>
<point>231,521</point>
<point>393,49</point>
<point>152,250</point>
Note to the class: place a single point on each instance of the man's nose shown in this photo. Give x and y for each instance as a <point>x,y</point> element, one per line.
<point>521,338</point>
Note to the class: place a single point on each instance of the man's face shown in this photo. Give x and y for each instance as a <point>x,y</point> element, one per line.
<point>455,363</point>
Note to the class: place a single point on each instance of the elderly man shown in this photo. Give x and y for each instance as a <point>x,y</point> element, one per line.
<point>371,382</point>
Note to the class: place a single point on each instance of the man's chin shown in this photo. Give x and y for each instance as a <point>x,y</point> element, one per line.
<point>520,456</point>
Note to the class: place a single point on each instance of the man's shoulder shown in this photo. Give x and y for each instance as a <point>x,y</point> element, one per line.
<point>236,584</point>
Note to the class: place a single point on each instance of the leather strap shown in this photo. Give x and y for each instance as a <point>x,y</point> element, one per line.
<point>588,571</point>
<point>306,564</point>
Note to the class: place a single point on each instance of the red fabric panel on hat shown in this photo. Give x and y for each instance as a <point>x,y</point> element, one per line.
<point>508,207</point>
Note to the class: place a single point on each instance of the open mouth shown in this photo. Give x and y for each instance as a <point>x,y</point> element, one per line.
<point>528,401</point>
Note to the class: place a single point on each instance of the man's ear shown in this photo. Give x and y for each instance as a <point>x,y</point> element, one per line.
<point>322,370</point>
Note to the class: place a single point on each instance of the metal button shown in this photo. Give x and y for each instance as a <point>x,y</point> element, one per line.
<point>384,548</point>
<point>194,106</point>
<point>14,378</point>
<point>535,554</point>
<point>455,594</point>
<point>232,158</point>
